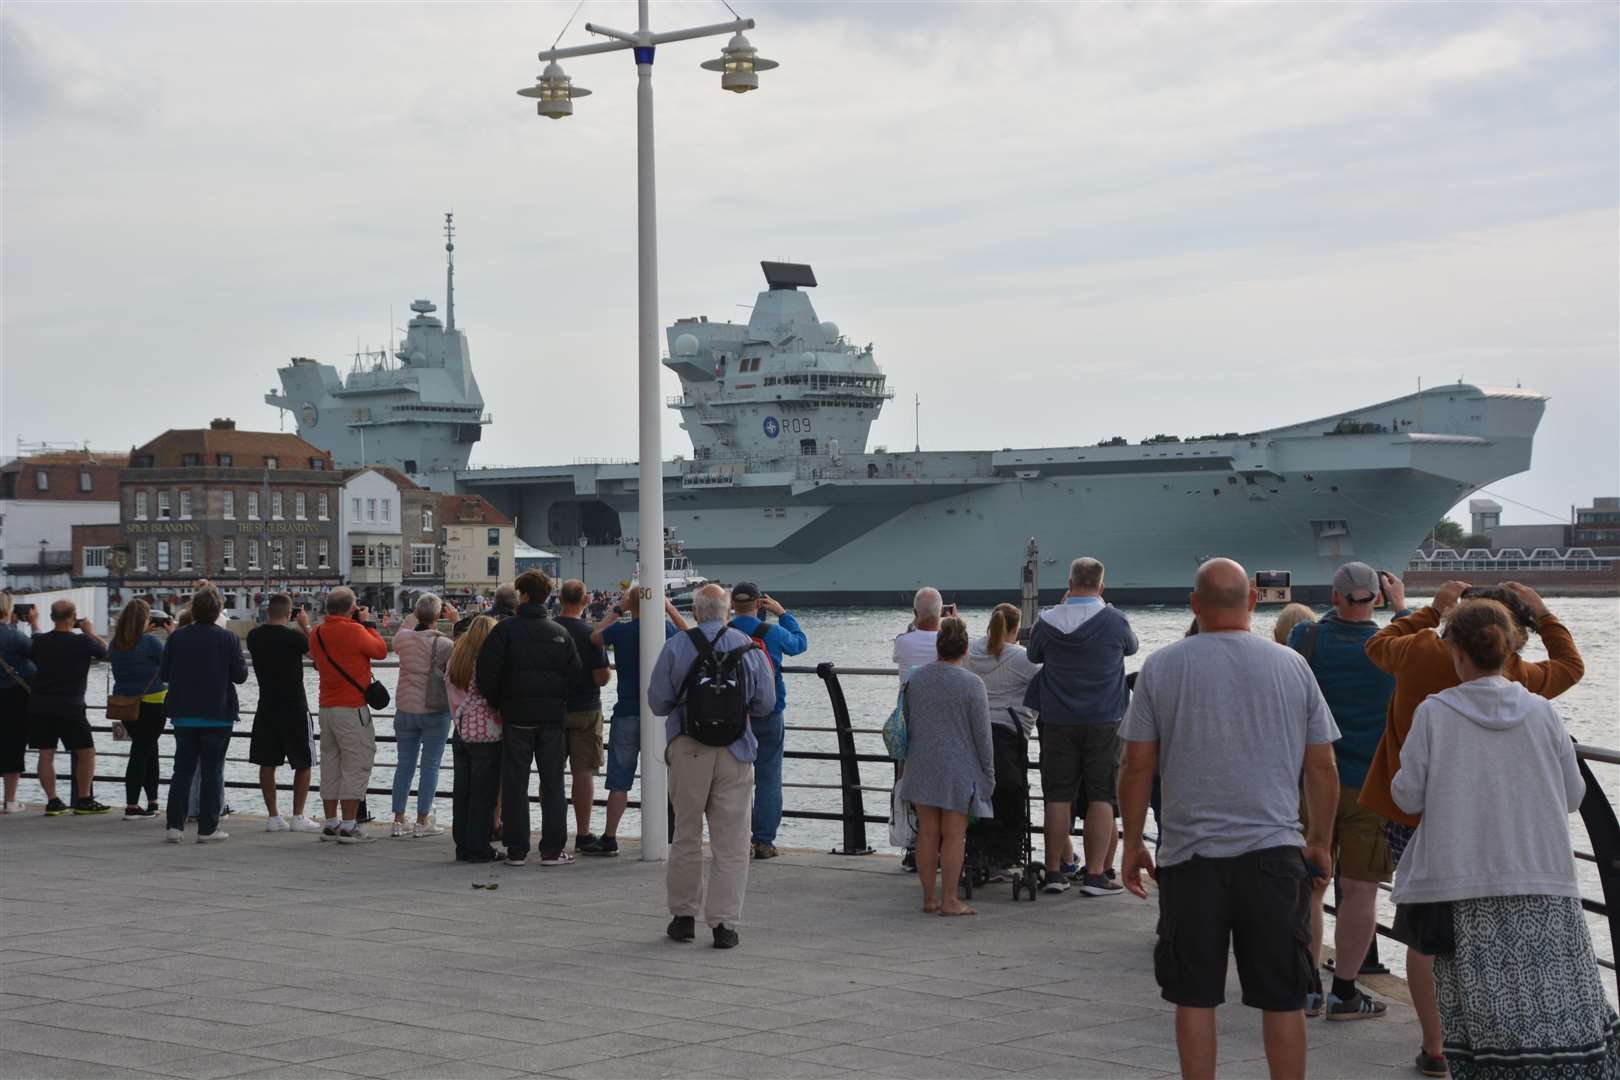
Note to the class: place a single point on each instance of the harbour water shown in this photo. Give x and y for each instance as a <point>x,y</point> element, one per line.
<point>860,637</point>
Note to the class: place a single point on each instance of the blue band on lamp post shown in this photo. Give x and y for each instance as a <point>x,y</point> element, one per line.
<point>644,54</point>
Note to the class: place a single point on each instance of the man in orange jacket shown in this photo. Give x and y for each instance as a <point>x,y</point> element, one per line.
<point>343,647</point>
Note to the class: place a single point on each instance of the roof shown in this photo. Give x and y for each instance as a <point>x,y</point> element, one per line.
<point>393,475</point>
<point>248,449</point>
<point>470,510</point>
<point>62,469</point>
<point>524,550</point>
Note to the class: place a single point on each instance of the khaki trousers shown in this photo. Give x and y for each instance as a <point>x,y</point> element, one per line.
<point>708,781</point>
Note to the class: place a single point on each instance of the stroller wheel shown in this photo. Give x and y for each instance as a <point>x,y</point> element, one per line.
<point>1033,879</point>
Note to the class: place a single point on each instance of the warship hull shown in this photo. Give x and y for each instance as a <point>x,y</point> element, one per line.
<point>1366,484</point>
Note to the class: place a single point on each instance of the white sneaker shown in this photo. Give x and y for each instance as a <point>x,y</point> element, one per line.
<point>276,824</point>
<point>430,827</point>
<point>213,837</point>
<point>302,823</point>
<point>174,836</point>
<point>12,808</point>
<point>356,835</point>
<point>399,831</point>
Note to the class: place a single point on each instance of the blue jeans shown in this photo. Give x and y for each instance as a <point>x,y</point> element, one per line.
<point>768,778</point>
<point>623,751</point>
<point>193,802</point>
<point>415,733</point>
<point>198,749</point>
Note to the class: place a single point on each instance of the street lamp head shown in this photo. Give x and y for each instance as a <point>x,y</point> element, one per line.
<point>556,92</point>
<point>739,65</point>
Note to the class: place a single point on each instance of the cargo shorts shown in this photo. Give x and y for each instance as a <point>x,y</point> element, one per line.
<point>585,751</point>
<point>348,750</point>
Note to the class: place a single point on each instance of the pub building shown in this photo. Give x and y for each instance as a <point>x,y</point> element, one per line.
<point>254,512</point>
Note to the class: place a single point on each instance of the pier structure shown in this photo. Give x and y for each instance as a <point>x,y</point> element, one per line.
<point>275,955</point>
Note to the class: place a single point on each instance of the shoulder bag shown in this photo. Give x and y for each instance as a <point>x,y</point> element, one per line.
<point>122,708</point>
<point>896,737</point>
<point>11,673</point>
<point>376,694</point>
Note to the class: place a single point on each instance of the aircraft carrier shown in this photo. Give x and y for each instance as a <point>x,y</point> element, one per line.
<point>782,488</point>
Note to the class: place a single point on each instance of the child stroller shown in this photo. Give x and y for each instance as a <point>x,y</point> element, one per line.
<point>986,838</point>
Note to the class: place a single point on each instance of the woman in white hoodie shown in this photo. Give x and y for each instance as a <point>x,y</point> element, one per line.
<point>1492,771</point>
<point>1006,669</point>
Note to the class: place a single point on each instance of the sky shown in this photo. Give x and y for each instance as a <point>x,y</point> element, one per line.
<point>1056,223</point>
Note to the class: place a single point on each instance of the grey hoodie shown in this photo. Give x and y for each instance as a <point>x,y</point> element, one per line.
<point>1492,771</point>
<point>1006,679</point>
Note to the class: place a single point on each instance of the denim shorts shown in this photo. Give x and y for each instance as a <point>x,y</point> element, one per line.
<point>623,750</point>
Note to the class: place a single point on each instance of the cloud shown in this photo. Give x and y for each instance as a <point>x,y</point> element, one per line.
<point>54,77</point>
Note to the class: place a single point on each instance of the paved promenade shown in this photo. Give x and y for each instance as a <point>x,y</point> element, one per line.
<point>280,956</point>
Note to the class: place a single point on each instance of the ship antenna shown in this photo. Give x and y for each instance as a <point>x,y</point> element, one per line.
<point>450,272</point>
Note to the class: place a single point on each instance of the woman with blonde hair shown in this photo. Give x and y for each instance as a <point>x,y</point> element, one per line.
<point>1006,669</point>
<point>135,654</point>
<point>475,749</point>
<point>1487,885</point>
<point>1288,618</point>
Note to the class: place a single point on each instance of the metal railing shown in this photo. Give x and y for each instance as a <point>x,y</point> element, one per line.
<point>1596,811</point>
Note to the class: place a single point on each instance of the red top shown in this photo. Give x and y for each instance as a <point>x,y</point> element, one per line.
<point>341,640</point>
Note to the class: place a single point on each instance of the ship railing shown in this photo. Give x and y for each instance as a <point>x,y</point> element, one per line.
<point>854,816</point>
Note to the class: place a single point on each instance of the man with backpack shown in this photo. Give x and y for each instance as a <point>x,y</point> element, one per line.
<point>1357,694</point>
<point>712,682</point>
<point>783,639</point>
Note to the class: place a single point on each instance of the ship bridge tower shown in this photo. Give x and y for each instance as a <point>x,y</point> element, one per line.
<point>783,387</point>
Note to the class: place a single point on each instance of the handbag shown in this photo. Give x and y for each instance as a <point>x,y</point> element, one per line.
<point>376,694</point>
<point>1428,928</point>
<point>11,673</point>
<point>477,721</point>
<point>122,708</point>
<point>902,821</point>
<point>896,737</point>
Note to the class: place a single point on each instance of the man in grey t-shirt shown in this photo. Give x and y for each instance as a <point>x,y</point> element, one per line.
<point>1230,721</point>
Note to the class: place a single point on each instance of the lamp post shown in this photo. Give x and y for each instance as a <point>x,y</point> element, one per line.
<point>584,542</point>
<point>555,94</point>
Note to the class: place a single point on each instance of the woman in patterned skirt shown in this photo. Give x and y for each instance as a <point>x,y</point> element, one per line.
<point>1492,771</point>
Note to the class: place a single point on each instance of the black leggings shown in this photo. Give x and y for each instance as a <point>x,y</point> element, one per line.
<point>142,770</point>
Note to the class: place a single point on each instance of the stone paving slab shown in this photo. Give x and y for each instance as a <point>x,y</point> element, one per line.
<point>276,955</point>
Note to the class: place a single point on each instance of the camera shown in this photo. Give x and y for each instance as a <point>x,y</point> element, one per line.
<point>23,611</point>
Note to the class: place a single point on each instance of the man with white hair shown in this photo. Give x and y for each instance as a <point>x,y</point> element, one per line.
<point>912,650</point>
<point>710,682</point>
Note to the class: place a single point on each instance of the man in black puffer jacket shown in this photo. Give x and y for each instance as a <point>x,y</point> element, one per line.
<point>523,670</point>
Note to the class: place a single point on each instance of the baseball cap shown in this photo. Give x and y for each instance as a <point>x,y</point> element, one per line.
<point>745,590</point>
<point>1356,582</point>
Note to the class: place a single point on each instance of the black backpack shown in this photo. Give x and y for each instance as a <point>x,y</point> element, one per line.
<point>715,695</point>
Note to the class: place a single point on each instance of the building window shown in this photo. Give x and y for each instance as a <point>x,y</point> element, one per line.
<point>277,556</point>
<point>185,504</point>
<point>228,557</point>
<point>188,552</point>
<point>493,566</point>
<point>42,480</point>
<point>86,481</point>
<point>357,555</point>
<point>140,506</point>
<point>494,538</point>
<point>427,519</point>
<point>371,509</point>
<point>163,506</point>
<point>228,506</point>
<point>162,556</point>
<point>225,461</point>
<point>317,464</point>
<point>298,505</point>
<point>356,509</point>
<point>141,562</point>
<point>323,509</point>
<point>253,554</point>
<point>323,554</point>
<point>275,506</point>
<point>190,461</point>
<point>300,553</point>
<point>272,463</point>
<point>387,510</point>
<point>253,506</point>
<point>422,559</point>
<point>95,558</point>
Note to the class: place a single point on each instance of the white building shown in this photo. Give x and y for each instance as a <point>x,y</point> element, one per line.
<point>42,496</point>
<point>370,534</point>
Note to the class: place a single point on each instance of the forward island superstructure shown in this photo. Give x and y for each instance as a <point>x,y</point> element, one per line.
<point>418,409</point>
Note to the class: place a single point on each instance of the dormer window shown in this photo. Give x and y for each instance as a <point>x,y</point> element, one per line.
<point>42,480</point>
<point>86,481</point>
<point>190,461</point>
<point>225,461</point>
<point>317,464</point>
<point>272,463</point>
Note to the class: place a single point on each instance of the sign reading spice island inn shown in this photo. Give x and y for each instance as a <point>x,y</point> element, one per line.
<point>303,528</point>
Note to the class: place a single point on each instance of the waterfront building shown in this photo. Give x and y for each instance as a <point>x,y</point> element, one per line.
<point>97,557</point>
<point>1598,526</point>
<point>44,493</point>
<point>528,557</point>
<point>420,530</point>
<point>370,534</point>
<point>479,546</point>
<point>254,511</point>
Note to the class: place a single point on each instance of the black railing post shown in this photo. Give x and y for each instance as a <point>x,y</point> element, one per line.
<point>849,769</point>
<point>1604,832</point>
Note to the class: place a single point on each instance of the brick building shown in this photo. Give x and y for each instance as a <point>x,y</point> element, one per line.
<point>43,495</point>
<point>255,512</point>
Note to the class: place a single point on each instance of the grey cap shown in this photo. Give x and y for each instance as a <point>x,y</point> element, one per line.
<point>1356,582</point>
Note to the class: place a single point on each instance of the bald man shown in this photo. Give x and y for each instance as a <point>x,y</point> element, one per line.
<point>1230,720</point>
